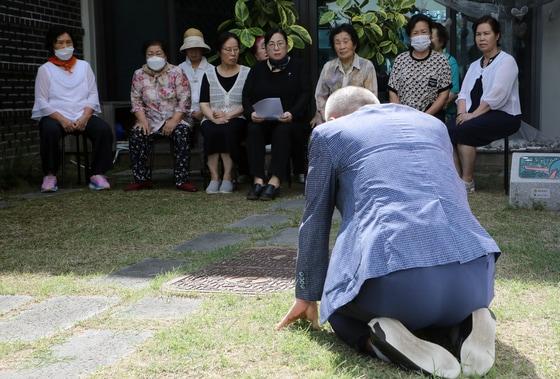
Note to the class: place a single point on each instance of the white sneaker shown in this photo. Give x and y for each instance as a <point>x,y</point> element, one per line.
<point>478,352</point>
<point>402,347</point>
<point>213,187</point>
<point>226,186</point>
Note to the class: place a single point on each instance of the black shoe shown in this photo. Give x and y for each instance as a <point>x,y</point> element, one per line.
<point>270,192</point>
<point>403,348</point>
<point>255,191</point>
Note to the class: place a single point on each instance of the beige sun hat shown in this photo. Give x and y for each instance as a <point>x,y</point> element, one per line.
<point>193,38</point>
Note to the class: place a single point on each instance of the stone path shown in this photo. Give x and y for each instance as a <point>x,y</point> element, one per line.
<point>9,302</point>
<point>51,316</point>
<point>83,354</point>
<point>260,221</point>
<point>211,241</point>
<point>140,274</point>
<point>167,308</point>
<point>24,319</point>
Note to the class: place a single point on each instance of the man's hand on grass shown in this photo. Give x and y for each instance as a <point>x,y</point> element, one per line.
<point>302,309</point>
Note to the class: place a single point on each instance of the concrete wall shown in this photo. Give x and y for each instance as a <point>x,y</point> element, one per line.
<point>550,73</point>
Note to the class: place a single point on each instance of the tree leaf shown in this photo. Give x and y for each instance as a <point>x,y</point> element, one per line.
<point>241,11</point>
<point>377,29</point>
<point>385,43</point>
<point>225,24</point>
<point>290,43</point>
<point>302,32</point>
<point>298,42</point>
<point>342,3</point>
<point>359,30</point>
<point>246,38</point>
<point>283,17</point>
<point>256,31</point>
<point>379,58</point>
<point>369,17</point>
<point>290,17</point>
<point>327,17</point>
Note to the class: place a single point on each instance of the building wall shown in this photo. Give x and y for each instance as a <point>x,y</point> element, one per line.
<point>23,25</point>
<point>550,75</point>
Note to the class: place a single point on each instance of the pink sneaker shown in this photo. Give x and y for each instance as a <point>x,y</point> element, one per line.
<point>98,183</point>
<point>49,184</point>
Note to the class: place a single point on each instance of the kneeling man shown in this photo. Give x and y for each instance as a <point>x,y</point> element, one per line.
<point>409,254</point>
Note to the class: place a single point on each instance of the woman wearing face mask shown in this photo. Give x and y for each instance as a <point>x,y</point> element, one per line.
<point>65,102</point>
<point>220,102</point>
<point>160,97</point>
<point>279,76</point>
<point>421,77</point>
<point>488,106</point>
<point>348,69</point>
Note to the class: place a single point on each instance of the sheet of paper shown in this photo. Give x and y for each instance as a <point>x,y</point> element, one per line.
<point>269,109</point>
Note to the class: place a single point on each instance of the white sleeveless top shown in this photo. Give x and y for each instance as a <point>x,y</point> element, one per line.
<point>195,79</point>
<point>57,90</point>
<point>223,100</point>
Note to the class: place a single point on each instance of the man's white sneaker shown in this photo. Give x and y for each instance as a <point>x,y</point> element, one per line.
<point>402,347</point>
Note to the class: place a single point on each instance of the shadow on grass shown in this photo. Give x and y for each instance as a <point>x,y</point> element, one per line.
<point>510,363</point>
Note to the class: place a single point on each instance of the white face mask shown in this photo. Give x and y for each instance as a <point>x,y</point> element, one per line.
<point>65,53</point>
<point>420,43</point>
<point>156,63</point>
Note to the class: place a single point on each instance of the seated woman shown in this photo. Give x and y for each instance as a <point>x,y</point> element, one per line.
<point>65,102</point>
<point>488,105</point>
<point>280,76</point>
<point>259,49</point>
<point>421,77</point>
<point>347,69</point>
<point>220,102</point>
<point>160,97</point>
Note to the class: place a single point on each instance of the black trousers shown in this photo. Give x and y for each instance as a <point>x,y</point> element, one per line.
<point>97,130</point>
<point>424,297</point>
<point>279,135</point>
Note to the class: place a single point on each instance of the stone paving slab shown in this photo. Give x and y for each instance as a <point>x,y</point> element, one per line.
<point>141,273</point>
<point>286,237</point>
<point>167,308</point>
<point>46,318</point>
<point>291,204</point>
<point>9,302</point>
<point>260,221</point>
<point>211,241</point>
<point>253,272</point>
<point>83,354</point>
<point>39,195</point>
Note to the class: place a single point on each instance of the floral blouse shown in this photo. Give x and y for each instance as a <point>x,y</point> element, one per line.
<point>160,94</point>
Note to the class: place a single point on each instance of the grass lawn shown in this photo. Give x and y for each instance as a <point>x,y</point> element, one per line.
<point>60,245</point>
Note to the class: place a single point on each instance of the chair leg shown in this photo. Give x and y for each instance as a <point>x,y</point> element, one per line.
<point>78,159</point>
<point>506,165</point>
<point>86,159</point>
<point>62,152</point>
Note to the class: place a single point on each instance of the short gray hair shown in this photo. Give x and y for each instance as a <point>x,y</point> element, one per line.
<point>348,100</point>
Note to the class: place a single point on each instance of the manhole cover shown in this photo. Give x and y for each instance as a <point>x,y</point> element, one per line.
<point>253,272</point>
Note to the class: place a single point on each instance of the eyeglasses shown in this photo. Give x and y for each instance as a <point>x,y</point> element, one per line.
<point>230,50</point>
<point>276,45</point>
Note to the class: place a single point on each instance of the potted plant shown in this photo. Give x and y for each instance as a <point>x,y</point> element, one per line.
<point>253,17</point>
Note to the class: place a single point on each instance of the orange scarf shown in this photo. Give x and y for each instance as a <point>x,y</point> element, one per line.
<point>66,65</point>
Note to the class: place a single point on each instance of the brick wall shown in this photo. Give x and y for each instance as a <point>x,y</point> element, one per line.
<point>23,26</point>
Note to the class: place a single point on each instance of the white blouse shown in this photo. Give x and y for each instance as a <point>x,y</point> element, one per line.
<point>500,86</point>
<point>195,79</point>
<point>57,90</point>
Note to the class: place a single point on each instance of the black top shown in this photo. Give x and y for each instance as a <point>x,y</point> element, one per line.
<point>227,84</point>
<point>289,85</point>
